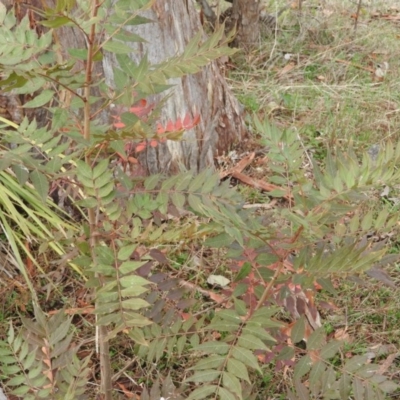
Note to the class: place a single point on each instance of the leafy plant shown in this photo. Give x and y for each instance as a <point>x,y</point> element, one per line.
<point>357,377</point>
<point>277,260</point>
<point>42,360</point>
<point>28,218</point>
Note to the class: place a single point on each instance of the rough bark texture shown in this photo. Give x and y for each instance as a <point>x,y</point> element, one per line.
<point>206,93</point>
<point>246,14</point>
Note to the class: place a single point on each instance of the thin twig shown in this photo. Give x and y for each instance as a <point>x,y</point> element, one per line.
<point>357,16</point>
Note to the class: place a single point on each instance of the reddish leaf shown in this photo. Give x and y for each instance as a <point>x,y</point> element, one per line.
<point>153,143</point>
<point>133,160</point>
<point>185,316</point>
<point>117,123</point>
<point>170,126</point>
<point>142,108</point>
<point>140,147</point>
<point>160,129</point>
<point>178,124</point>
<point>190,123</point>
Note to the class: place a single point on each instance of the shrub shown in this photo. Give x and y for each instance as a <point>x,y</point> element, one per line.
<point>122,246</point>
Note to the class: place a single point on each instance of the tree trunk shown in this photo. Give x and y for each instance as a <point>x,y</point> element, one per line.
<point>246,15</point>
<point>206,93</point>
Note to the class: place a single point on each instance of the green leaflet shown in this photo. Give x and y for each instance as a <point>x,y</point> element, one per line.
<point>212,362</point>
<point>212,347</point>
<point>302,367</point>
<point>65,379</point>
<point>40,100</point>
<point>40,183</point>
<point>204,376</point>
<point>246,357</point>
<point>202,392</point>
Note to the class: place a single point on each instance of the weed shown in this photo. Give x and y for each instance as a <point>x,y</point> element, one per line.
<point>249,102</point>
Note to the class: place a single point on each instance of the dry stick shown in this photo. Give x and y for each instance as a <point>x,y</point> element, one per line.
<point>239,167</point>
<point>355,65</point>
<point>260,184</point>
<point>357,16</point>
<point>236,172</point>
<point>101,331</point>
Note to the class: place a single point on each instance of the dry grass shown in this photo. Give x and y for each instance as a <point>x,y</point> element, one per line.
<point>320,77</point>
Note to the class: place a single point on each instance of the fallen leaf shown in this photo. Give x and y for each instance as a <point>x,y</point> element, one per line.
<point>288,67</point>
<point>218,280</point>
<point>387,363</point>
<point>240,166</point>
<point>216,297</point>
<point>259,184</point>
